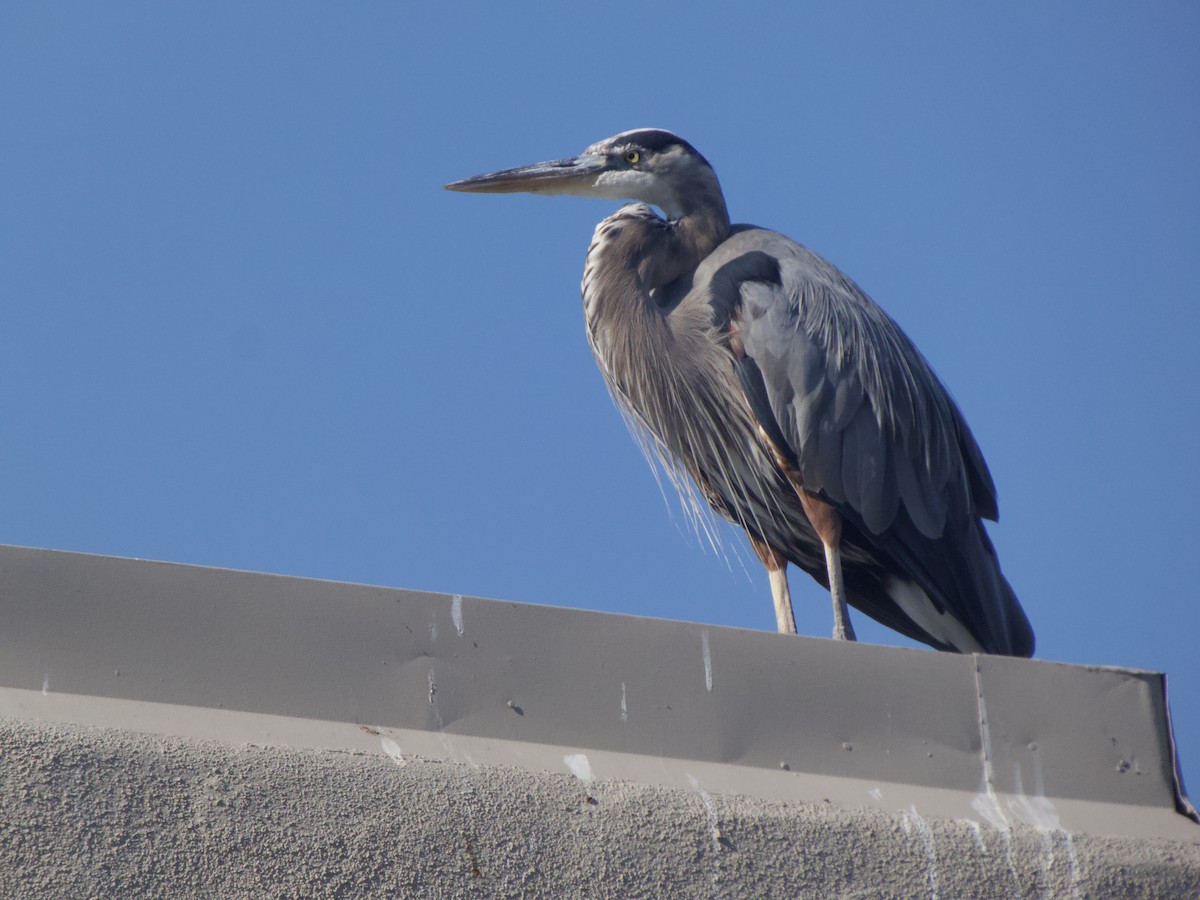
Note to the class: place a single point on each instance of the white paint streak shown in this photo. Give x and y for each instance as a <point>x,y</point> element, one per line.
<point>433,632</point>
<point>456,613</point>
<point>392,749</point>
<point>45,684</point>
<point>579,766</point>
<point>926,834</point>
<point>624,709</point>
<point>432,689</point>
<point>875,794</point>
<point>707,661</point>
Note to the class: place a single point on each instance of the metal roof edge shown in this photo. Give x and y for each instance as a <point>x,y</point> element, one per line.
<point>1183,805</point>
<point>999,740</point>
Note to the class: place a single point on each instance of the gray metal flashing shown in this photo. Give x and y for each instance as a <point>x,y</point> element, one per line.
<point>269,660</point>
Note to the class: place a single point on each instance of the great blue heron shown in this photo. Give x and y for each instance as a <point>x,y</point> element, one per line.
<point>795,405</point>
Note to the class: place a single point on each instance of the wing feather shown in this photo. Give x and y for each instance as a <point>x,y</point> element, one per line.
<point>875,433</point>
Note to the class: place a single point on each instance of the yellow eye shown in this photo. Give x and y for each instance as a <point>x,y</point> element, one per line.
<point>632,157</point>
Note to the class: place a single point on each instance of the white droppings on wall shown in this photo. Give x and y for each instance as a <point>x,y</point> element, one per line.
<point>444,738</point>
<point>986,802</point>
<point>1033,808</point>
<point>456,613</point>
<point>714,825</point>
<point>977,830</point>
<point>926,834</point>
<point>1047,855</point>
<point>392,749</point>
<point>1006,837</point>
<point>707,659</point>
<point>624,709</point>
<point>579,766</point>
<point>710,809</point>
<point>1072,865</point>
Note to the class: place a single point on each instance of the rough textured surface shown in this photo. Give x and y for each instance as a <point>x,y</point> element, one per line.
<point>101,812</point>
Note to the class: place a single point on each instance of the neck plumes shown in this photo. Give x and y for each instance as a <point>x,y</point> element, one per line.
<point>662,366</point>
<point>634,252</point>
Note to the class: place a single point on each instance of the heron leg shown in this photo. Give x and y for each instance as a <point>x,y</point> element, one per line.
<point>842,629</point>
<point>776,566</point>
<point>827,522</point>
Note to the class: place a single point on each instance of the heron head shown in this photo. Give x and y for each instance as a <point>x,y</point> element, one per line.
<point>648,164</point>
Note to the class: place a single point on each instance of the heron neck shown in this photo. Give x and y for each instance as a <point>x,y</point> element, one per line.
<point>686,242</point>
<point>633,253</point>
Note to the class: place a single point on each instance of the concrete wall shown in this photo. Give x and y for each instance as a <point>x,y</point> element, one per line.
<point>99,812</point>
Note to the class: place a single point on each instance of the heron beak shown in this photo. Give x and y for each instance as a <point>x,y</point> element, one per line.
<point>575,175</point>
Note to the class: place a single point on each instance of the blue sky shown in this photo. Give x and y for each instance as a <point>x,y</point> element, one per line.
<point>243,326</point>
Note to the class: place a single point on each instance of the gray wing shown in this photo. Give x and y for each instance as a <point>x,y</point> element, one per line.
<point>872,430</point>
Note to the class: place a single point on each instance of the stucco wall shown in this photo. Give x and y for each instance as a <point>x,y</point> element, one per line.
<point>99,812</point>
